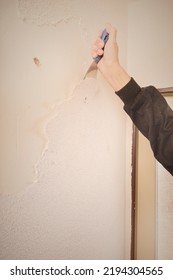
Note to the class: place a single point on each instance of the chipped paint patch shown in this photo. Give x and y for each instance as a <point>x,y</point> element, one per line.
<point>36,61</point>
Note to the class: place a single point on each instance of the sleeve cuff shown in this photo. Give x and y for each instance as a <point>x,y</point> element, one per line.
<point>129,92</point>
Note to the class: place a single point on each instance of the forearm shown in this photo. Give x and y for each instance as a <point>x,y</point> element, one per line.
<point>146,106</point>
<point>153,117</point>
<point>118,78</point>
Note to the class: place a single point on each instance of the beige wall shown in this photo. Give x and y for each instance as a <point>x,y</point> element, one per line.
<point>63,141</point>
<point>150,42</point>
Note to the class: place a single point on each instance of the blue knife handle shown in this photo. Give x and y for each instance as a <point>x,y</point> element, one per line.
<point>104,37</point>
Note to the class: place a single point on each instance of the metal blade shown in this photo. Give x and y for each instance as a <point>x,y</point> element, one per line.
<point>92,70</point>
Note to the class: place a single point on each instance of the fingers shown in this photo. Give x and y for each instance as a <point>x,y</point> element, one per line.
<point>112,33</point>
<point>97,47</point>
<point>100,33</point>
<point>99,44</point>
<point>108,27</point>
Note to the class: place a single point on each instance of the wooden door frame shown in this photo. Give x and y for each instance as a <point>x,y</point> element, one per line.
<point>165,92</point>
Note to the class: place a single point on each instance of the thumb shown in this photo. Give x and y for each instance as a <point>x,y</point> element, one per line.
<point>111,47</point>
<point>112,33</point>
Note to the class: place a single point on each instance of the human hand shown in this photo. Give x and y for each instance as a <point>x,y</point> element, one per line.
<point>110,51</point>
<point>109,64</point>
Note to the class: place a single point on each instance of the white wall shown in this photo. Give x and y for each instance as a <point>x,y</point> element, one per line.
<point>63,158</point>
<point>150,42</point>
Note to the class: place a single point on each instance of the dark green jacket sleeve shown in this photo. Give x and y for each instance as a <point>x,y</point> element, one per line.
<point>152,115</point>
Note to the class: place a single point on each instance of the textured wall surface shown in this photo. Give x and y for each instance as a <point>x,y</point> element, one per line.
<point>63,160</point>
<point>76,210</point>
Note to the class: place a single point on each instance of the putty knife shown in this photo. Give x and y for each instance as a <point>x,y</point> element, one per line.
<point>91,72</point>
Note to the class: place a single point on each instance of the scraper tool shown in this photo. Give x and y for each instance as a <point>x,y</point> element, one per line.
<point>91,72</point>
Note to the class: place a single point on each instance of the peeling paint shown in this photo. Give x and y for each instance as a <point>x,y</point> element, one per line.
<point>59,146</point>
<point>26,107</point>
